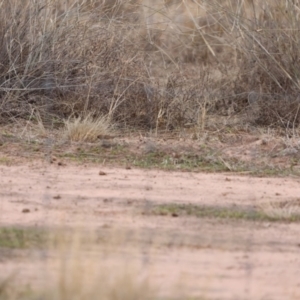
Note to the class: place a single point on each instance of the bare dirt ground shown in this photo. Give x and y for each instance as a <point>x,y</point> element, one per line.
<point>122,189</point>
<point>203,257</point>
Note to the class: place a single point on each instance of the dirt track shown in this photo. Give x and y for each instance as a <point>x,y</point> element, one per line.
<point>215,258</point>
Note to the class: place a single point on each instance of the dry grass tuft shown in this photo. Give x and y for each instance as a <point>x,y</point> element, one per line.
<point>288,210</point>
<point>87,129</point>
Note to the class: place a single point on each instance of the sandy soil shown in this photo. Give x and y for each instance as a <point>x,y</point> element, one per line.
<point>214,258</point>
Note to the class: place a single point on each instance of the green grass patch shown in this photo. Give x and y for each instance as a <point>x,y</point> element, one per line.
<point>22,238</point>
<point>221,212</point>
<point>5,161</point>
<point>187,162</point>
<point>95,154</point>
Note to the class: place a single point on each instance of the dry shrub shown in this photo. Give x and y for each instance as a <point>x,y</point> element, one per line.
<point>267,84</point>
<point>135,60</point>
<point>190,94</point>
<point>70,59</point>
<point>125,10</point>
<point>66,60</point>
<point>183,31</point>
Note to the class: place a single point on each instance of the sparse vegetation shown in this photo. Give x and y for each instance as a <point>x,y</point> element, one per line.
<point>264,213</point>
<point>22,238</point>
<point>288,210</point>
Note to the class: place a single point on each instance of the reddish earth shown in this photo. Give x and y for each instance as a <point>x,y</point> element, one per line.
<point>208,257</point>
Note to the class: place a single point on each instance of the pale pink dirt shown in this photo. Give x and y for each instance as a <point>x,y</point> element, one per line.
<point>213,258</point>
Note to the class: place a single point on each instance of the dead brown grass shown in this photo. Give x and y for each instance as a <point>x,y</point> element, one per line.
<point>86,129</point>
<point>75,269</point>
<point>267,81</point>
<point>67,62</point>
<point>151,64</point>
